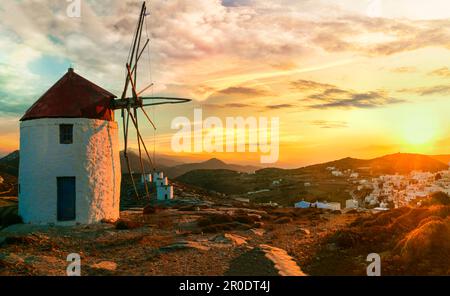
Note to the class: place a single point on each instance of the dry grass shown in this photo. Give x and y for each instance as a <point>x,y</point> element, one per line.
<point>412,240</point>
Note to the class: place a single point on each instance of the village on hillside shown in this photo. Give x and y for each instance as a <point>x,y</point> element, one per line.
<point>385,191</point>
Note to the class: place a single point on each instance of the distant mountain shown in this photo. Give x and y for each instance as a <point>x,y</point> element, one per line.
<point>173,169</point>
<point>388,164</point>
<point>401,163</point>
<point>10,164</point>
<point>162,163</point>
<point>212,164</point>
<point>290,186</point>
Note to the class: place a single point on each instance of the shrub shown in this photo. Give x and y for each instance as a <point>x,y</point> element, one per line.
<point>218,227</point>
<point>245,219</point>
<point>150,210</point>
<point>214,219</point>
<point>345,239</point>
<point>283,220</point>
<point>438,198</point>
<point>431,239</point>
<point>127,224</point>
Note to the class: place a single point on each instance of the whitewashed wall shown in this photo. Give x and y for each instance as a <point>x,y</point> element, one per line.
<point>161,192</point>
<point>93,159</point>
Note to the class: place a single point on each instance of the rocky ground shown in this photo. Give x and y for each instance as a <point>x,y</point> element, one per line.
<point>215,236</point>
<point>213,239</point>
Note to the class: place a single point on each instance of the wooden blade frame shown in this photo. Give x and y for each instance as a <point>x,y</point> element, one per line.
<point>130,105</point>
<point>133,55</point>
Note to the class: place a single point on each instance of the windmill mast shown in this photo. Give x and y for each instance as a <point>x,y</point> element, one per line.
<point>129,106</point>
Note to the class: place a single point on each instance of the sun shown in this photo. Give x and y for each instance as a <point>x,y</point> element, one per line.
<point>419,131</point>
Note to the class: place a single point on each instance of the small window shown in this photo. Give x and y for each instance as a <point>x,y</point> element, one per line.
<point>66,133</point>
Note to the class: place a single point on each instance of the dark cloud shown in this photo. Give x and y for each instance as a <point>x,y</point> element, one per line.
<point>429,90</point>
<point>280,106</point>
<point>350,100</point>
<point>329,96</point>
<point>237,105</point>
<point>243,91</point>
<point>308,85</point>
<point>235,3</point>
<point>234,97</point>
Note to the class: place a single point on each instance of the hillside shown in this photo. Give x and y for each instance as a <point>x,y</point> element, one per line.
<point>289,186</point>
<point>9,170</point>
<point>212,164</point>
<point>173,169</point>
<point>135,164</point>
<point>410,240</point>
<point>442,158</point>
<point>401,163</point>
<point>10,164</point>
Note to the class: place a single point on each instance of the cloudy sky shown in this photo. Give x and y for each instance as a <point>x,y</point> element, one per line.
<point>358,78</point>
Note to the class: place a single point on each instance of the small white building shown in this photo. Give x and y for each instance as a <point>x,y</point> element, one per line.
<point>302,205</point>
<point>162,182</point>
<point>164,192</point>
<point>276,182</point>
<point>380,209</point>
<point>146,178</point>
<point>351,204</point>
<point>307,184</point>
<point>335,206</point>
<point>159,179</point>
<point>69,169</point>
<point>384,205</point>
<point>354,175</point>
<point>337,173</point>
<point>157,175</point>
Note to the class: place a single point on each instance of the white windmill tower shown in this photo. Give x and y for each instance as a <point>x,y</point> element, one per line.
<point>69,147</point>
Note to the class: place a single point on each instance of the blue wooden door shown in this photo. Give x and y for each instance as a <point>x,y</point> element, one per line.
<point>66,198</point>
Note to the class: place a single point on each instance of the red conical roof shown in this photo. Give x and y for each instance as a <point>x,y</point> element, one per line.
<point>73,97</point>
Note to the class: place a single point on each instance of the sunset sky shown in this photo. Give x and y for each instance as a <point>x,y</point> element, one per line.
<point>352,78</point>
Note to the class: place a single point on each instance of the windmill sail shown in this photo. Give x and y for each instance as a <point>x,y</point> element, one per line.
<point>130,105</point>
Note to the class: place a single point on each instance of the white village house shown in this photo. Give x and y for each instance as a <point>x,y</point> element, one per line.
<point>69,155</point>
<point>302,205</point>
<point>335,206</point>
<point>146,178</point>
<point>164,191</point>
<point>351,204</point>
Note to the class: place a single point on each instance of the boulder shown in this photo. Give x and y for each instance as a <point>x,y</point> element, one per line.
<point>106,265</point>
<point>229,238</point>
<point>284,263</point>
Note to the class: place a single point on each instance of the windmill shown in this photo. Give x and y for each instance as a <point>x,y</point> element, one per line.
<point>131,105</point>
